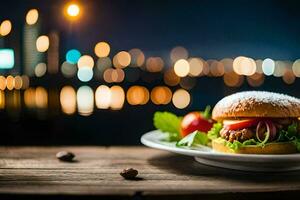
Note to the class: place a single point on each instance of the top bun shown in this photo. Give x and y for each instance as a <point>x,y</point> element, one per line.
<point>256,104</point>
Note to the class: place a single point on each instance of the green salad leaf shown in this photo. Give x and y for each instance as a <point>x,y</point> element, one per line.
<point>291,134</point>
<point>168,123</point>
<point>214,132</point>
<point>193,139</point>
<point>236,145</point>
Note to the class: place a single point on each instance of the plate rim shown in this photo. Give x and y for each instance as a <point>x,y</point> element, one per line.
<point>192,152</point>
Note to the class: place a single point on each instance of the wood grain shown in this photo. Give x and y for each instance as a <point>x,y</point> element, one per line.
<point>36,171</point>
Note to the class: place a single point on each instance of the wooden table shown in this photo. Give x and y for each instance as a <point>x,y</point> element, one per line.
<point>29,172</point>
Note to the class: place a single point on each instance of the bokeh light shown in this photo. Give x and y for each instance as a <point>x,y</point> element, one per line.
<point>2,99</point>
<point>259,66</point>
<point>41,98</point>
<point>73,10</point>
<point>170,78</point>
<point>7,58</point>
<point>244,66</point>
<point>178,53</point>
<point>29,98</point>
<point>5,28</point>
<point>161,95</point>
<point>268,66</point>
<point>182,68</point>
<point>228,64</point>
<point>42,43</point>
<point>154,64</point>
<point>196,66</point>
<point>107,75</point>
<point>187,82</point>
<point>18,82</point>
<point>25,81</point>
<point>256,79</point>
<point>122,59</point>
<point>296,68</point>
<point>86,61</point>
<point>102,49</point>
<point>181,98</point>
<point>32,16</point>
<point>40,69</point>
<point>85,74</point>
<point>2,83</point>
<point>117,75</point>
<point>85,100</point>
<point>68,100</point>
<point>10,82</point>
<point>117,97</point>
<point>137,95</point>
<point>280,68</point>
<point>103,97</point>
<point>217,68</point>
<point>68,70</point>
<point>232,79</point>
<point>289,77</point>
<point>137,57</point>
<point>73,56</point>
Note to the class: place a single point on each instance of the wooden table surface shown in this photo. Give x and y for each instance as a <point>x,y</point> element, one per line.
<point>36,171</point>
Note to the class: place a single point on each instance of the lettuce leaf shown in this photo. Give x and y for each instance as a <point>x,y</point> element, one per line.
<point>168,123</point>
<point>214,132</point>
<point>193,139</point>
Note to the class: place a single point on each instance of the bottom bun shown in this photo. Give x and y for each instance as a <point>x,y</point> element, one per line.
<point>271,148</point>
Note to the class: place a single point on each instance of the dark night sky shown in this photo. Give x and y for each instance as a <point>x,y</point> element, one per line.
<point>208,28</point>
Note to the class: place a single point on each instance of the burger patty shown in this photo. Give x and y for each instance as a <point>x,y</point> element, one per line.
<point>239,135</point>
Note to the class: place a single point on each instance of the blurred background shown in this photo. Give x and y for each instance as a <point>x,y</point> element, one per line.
<point>93,72</point>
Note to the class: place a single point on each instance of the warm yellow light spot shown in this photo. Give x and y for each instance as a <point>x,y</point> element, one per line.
<point>86,61</point>
<point>2,99</point>
<point>2,83</point>
<point>122,59</point>
<point>18,82</point>
<point>32,16</point>
<point>296,68</point>
<point>181,98</point>
<point>85,100</point>
<point>117,75</point>
<point>29,97</point>
<point>42,43</point>
<point>232,79</point>
<point>137,57</point>
<point>41,97</point>
<point>117,97</point>
<point>10,82</point>
<point>103,97</point>
<point>178,53</point>
<point>170,78</point>
<point>102,49</point>
<point>244,66</point>
<point>137,95</point>
<point>5,28</point>
<point>182,68</point>
<point>107,75</point>
<point>256,80</point>
<point>154,64</point>
<point>217,68</point>
<point>25,81</point>
<point>73,10</point>
<point>289,77</point>
<point>196,66</point>
<point>68,100</point>
<point>161,95</point>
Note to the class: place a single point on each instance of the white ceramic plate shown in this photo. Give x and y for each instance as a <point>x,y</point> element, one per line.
<point>245,162</point>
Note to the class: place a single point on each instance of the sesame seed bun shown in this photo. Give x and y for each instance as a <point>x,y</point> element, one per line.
<point>269,148</point>
<point>256,104</point>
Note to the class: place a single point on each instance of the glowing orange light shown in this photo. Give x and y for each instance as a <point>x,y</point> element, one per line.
<point>181,98</point>
<point>68,100</point>
<point>73,10</point>
<point>32,16</point>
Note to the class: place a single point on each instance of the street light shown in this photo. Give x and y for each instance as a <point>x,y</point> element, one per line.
<point>72,11</point>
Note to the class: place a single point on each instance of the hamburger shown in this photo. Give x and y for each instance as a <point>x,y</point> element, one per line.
<point>256,122</point>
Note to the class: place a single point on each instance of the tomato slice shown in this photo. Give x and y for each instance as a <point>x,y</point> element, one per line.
<point>239,124</point>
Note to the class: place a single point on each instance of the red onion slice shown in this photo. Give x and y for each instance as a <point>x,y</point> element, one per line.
<point>269,134</point>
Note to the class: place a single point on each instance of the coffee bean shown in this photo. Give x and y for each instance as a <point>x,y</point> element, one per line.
<point>129,173</point>
<point>65,156</point>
